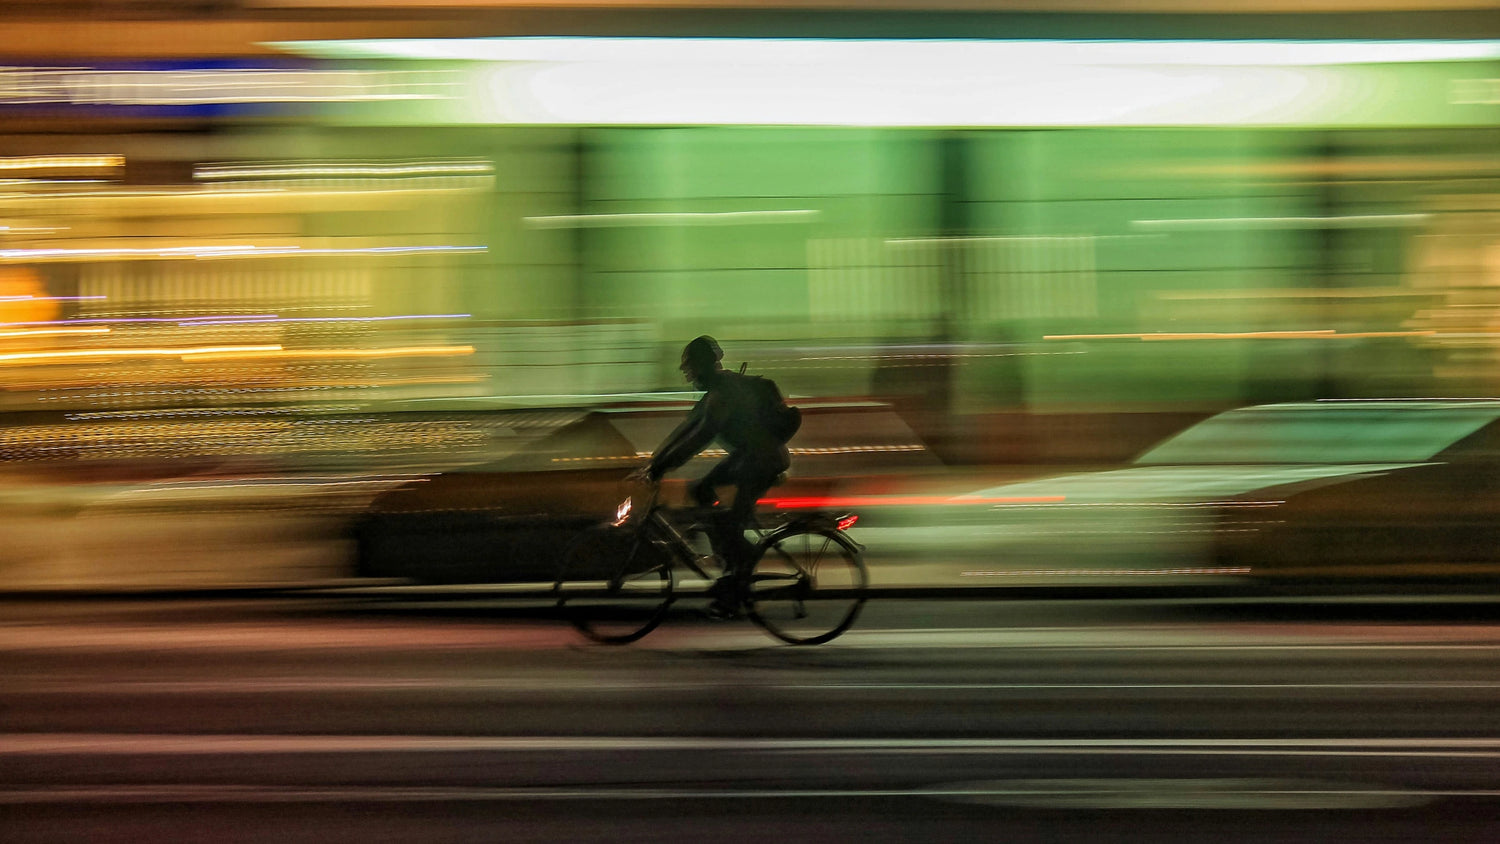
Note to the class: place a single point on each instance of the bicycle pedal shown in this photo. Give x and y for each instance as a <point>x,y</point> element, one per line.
<point>720,612</point>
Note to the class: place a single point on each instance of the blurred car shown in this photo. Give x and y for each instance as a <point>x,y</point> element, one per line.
<point>508,520</point>
<point>1367,488</point>
<point>1327,489</point>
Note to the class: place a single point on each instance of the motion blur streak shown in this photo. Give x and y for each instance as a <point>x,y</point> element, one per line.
<point>54,332</point>
<point>821,502</point>
<point>184,353</point>
<point>197,321</point>
<point>263,353</point>
<point>56,162</point>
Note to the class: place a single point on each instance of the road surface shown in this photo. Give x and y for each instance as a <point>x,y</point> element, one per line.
<point>328,720</point>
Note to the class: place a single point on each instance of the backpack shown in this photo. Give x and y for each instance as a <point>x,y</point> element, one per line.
<point>778,417</point>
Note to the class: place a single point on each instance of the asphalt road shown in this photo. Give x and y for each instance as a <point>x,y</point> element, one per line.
<point>315,720</point>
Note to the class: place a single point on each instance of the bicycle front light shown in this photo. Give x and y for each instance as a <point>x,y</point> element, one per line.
<point>622,513</point>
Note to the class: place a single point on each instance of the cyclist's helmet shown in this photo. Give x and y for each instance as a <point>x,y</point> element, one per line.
<point>702,353</point>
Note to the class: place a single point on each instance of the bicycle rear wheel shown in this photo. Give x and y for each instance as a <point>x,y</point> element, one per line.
<point>614,585</point>
<point>808,587</point>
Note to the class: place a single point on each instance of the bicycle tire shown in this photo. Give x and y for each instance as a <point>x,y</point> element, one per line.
<point>613,585</point>
<point>807,587</point>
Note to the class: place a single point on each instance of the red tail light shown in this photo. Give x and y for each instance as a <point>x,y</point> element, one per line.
<point>847,522</point>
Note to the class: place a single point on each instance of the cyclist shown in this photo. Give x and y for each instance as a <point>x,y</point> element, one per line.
<point>733,410</point>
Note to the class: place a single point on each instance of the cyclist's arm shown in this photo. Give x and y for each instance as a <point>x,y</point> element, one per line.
<point>689,438</point>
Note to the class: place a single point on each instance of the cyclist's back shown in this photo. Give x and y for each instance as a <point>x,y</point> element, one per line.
<point>732,410</point>
<point>739,404</point>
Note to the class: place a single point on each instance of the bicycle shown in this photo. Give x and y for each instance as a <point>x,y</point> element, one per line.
<point>618,580</point>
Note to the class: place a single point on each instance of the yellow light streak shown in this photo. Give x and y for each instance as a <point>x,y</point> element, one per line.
<point>278,353</point>
<point>86,354</point>
<point>49,332</point>
<point>207,251</point>
<point>53,162</point>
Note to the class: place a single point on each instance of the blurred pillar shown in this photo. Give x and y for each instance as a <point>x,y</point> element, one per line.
<point>921,385</point>
<point>580,234</point>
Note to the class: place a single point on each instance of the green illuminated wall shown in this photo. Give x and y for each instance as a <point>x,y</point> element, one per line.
<point>749,275</point>
<point>1002,238</point>
<point>1149,201</point>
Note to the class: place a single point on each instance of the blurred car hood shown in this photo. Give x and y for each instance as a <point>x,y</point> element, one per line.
<point>1156,520</point>
<point>1167,484</point>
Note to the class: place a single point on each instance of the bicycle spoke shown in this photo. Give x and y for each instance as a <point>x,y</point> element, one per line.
<point>807,588</point>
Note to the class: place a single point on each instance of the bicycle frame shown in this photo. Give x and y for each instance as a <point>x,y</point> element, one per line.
<point>778,592</point>
<point>656,528</point>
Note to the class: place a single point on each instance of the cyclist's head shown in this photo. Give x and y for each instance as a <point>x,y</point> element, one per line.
<point>700,358</point>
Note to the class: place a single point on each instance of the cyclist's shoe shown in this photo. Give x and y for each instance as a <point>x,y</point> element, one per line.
<point>722,610</point>
<point>725,603</point>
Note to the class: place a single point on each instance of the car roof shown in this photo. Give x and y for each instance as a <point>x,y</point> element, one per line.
<point>1338,431</point>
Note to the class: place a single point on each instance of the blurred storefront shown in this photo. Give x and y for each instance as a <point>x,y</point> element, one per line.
<point>265,247</point>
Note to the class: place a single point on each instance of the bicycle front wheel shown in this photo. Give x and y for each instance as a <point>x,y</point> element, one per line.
<point>614,585</point>
<point>808,587</point>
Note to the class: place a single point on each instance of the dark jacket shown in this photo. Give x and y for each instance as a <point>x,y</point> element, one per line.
<point>730,412</point>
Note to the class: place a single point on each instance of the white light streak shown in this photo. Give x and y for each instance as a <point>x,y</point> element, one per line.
<point>677,218</point>
<point>922,82</point>
<point>273,352</point>
<point>271,319</point>
<point>1353,221</point>
<point>1035,55</point>
<point>212,172</point>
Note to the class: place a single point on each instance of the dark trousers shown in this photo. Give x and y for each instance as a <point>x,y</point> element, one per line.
<point>750,479</point>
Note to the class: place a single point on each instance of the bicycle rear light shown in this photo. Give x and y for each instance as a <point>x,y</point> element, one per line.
<point>846,522</point>
<point>622,513</point>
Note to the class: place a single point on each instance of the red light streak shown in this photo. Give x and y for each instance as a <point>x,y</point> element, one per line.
<point>818,502</point>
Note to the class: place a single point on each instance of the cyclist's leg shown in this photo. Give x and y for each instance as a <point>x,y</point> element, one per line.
<point>704,493</point>
<point>705,490</point>
<point>754,481</point>
<point>720,526</point>
<point>726,532</point>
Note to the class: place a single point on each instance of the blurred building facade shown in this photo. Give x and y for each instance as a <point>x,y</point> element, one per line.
<point>220,230</point>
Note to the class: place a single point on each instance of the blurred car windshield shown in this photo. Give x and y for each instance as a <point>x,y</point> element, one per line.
<point>1326,432</point>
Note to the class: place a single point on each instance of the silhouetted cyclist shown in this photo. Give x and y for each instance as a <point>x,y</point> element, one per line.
<point>746,414</point>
